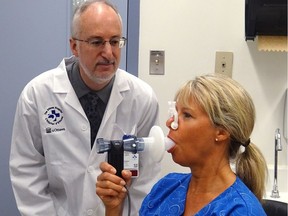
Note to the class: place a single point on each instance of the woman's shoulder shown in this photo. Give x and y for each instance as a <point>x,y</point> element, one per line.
<point>240,200</point>
<point>237,200</point>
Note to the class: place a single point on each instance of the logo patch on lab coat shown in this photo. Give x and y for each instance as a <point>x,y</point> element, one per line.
<point>54,115</point>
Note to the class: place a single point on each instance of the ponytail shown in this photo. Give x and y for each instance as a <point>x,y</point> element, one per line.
<point>252,170</point>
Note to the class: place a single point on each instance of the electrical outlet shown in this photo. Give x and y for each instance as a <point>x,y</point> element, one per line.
<point>224,63</point>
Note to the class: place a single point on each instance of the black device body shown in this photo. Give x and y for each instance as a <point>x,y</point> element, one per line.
<point>116,156</point>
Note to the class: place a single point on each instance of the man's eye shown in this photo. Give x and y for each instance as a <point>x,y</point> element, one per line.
<point>114,42</point>
<point>96,42</point>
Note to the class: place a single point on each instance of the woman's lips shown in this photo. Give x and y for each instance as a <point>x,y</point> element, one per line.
<point>171,149</point>
<point>170,144</point>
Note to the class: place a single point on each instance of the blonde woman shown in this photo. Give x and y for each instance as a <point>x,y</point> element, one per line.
<point>216,118</point>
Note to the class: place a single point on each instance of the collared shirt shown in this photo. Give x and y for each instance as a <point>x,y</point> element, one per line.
<point>82,89</point>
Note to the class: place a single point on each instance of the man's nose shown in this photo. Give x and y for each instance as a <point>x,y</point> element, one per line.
<point>107,49</point>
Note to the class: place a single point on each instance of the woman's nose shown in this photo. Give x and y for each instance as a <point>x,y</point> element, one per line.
<point>169,122</point>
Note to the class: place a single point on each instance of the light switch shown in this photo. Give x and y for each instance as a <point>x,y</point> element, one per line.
<point>224,63</point>
<point>157,60</point>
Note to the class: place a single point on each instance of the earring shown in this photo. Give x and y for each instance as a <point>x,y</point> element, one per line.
<point>216,139</point>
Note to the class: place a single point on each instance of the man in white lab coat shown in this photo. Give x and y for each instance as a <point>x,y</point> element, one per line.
<point>54,163</point>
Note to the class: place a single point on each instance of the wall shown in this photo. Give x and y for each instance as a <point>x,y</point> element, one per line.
<point>191,32</point>
<point>34,38</point>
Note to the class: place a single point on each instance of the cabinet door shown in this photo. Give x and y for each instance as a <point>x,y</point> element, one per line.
<point>122,6</point>
<point>129,10</point>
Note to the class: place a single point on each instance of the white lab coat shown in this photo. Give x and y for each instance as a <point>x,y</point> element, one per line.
<point>52,167</point>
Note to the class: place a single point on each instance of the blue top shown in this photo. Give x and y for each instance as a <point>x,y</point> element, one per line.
<point>168,197</point>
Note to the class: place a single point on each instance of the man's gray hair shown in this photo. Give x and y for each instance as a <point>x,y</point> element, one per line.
<point>81,8</point>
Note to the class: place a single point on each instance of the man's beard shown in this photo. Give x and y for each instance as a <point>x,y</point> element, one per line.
<point>96,78</point>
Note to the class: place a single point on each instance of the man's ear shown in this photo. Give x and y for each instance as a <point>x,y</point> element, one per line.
<point>73,47</point>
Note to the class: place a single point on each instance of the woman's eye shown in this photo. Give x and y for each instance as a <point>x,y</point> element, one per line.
<point>187,115</point>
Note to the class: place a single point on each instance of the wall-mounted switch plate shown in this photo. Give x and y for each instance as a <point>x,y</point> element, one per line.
<point>157,62</point>
<point>224,63</point>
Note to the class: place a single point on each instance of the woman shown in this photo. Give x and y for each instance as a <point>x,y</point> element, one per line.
<point>216,118</point>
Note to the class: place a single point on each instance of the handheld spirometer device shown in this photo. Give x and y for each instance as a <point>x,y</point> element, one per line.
<point>156,144</point>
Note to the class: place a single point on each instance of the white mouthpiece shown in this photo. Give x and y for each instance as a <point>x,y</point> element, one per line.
<point>157,144</point>
<point>168,143</point>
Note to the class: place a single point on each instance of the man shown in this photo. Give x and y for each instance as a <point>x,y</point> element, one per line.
<point>54,163</point>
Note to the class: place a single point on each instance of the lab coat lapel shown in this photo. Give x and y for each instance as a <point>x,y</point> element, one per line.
<point>116,97</point>
<point>108,124</point>
<point>62,85</point>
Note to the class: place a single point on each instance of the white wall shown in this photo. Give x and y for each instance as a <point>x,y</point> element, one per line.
<point>191,32</point>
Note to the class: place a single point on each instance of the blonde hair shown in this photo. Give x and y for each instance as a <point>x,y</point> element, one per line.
<point>230,107</point>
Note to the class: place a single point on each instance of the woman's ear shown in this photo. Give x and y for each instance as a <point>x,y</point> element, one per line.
<point>222,134</point>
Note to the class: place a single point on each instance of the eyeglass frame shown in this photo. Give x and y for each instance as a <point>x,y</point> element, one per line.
<point>101,42</point>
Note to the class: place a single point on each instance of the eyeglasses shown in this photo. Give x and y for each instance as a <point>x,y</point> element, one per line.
<point>100,42</point>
